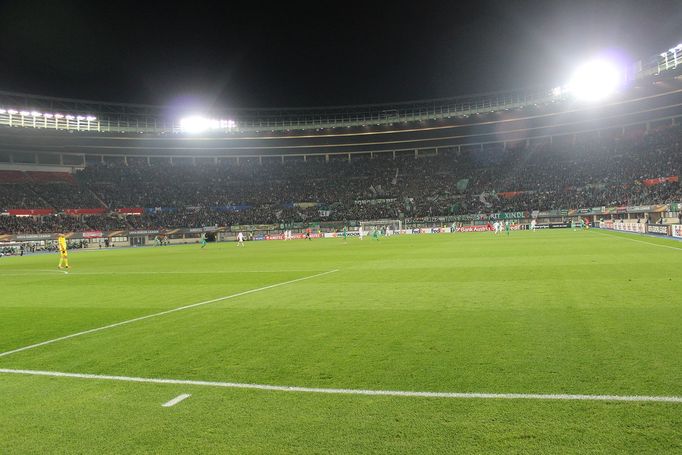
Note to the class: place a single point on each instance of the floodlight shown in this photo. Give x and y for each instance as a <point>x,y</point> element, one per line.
<point>2,111</point>
<point>70,117</point>
<point>36,114</point>
<point>12,112</point>
<point>80,117</point>
<point>194,124</point>
<point>58,115</point>
<point>24,113</point>
<point>90,118</point>
<point>595,80</point>
<point>46,115</point>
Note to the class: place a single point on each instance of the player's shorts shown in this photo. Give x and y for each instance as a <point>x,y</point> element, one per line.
<point>64,254</point>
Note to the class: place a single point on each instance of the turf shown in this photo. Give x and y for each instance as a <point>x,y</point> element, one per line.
<point>546,312</point>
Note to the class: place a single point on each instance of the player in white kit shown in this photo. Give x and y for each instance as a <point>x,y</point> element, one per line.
<point>496,226</point>
<point>240,239</point>
<point>532,224</point>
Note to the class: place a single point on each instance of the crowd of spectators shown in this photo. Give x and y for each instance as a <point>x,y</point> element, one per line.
<point>600,170</point>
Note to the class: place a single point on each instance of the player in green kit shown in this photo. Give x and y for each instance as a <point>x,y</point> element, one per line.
<point>581,223</point>
<point>507,226</point>
<point>375,234</point>
<point>345,233</point>
<point>202,240</point>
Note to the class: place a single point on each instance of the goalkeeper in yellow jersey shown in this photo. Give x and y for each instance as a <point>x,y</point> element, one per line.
<point>63,254</point>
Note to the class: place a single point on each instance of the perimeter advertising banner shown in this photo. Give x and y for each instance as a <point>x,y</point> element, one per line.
<point>677,230</point>
<point>491,216</point>
<point>475,228</point>
<point>659,229</point>
<point>625,227</point>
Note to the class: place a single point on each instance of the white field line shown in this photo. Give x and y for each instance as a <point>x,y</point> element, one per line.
<point>163,313</point>
<point>390,393</point>
<point>176,400</point>
<point>71,272</point>
<point>639,241</point>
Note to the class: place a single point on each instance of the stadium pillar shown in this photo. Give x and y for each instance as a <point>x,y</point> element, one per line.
<point>149,161</point>
<point>416,153</point>
<point>125,160</point>
<point>215,160</point>
<point>171,160</point>
<point>393,154</point>
<point>260,160</point>
<point>326,157</point>
<point>305,158</point>
<point>349,157</point>
<point>282,159</point>
<point>371,155</point>
<point>237,161</point>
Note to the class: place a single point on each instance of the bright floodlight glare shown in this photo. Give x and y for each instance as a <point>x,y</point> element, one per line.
<point>595,80</point>
<point>194,124</point>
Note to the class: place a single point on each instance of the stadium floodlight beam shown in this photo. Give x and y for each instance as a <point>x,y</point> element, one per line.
<point>194,124</point>
<point>199,124</point>
<point>595,80</point>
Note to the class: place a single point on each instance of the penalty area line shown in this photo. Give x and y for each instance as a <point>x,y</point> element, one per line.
<point>176,400</point>
<point>163,313</point>
<point>331,391</point>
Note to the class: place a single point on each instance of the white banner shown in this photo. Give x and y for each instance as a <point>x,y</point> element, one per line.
<point>677,230</point>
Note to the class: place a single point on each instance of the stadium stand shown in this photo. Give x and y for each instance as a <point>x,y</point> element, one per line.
<point>596,170</point>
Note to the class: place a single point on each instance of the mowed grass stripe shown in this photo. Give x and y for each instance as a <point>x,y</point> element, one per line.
<point>162,313</point>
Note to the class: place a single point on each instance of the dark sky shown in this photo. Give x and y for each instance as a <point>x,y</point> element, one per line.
<point>322,54</point>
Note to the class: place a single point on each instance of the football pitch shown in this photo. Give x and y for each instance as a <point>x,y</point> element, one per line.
<point>553,341</point>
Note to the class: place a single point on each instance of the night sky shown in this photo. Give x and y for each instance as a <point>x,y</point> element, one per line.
<point>318,54</point>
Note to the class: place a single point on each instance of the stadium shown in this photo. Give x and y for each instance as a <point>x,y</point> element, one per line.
<point>495,272</point>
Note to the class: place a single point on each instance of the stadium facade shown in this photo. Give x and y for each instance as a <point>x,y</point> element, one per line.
<point>64,136</point>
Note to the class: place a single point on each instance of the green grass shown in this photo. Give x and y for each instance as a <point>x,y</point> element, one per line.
<point>546,312</point>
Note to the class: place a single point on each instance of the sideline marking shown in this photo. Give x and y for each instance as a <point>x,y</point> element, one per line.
<point>225,272</point>
<point>176,400</point>
<point>636,240</point>
<point>162,313</point>
<point>390,393</point>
